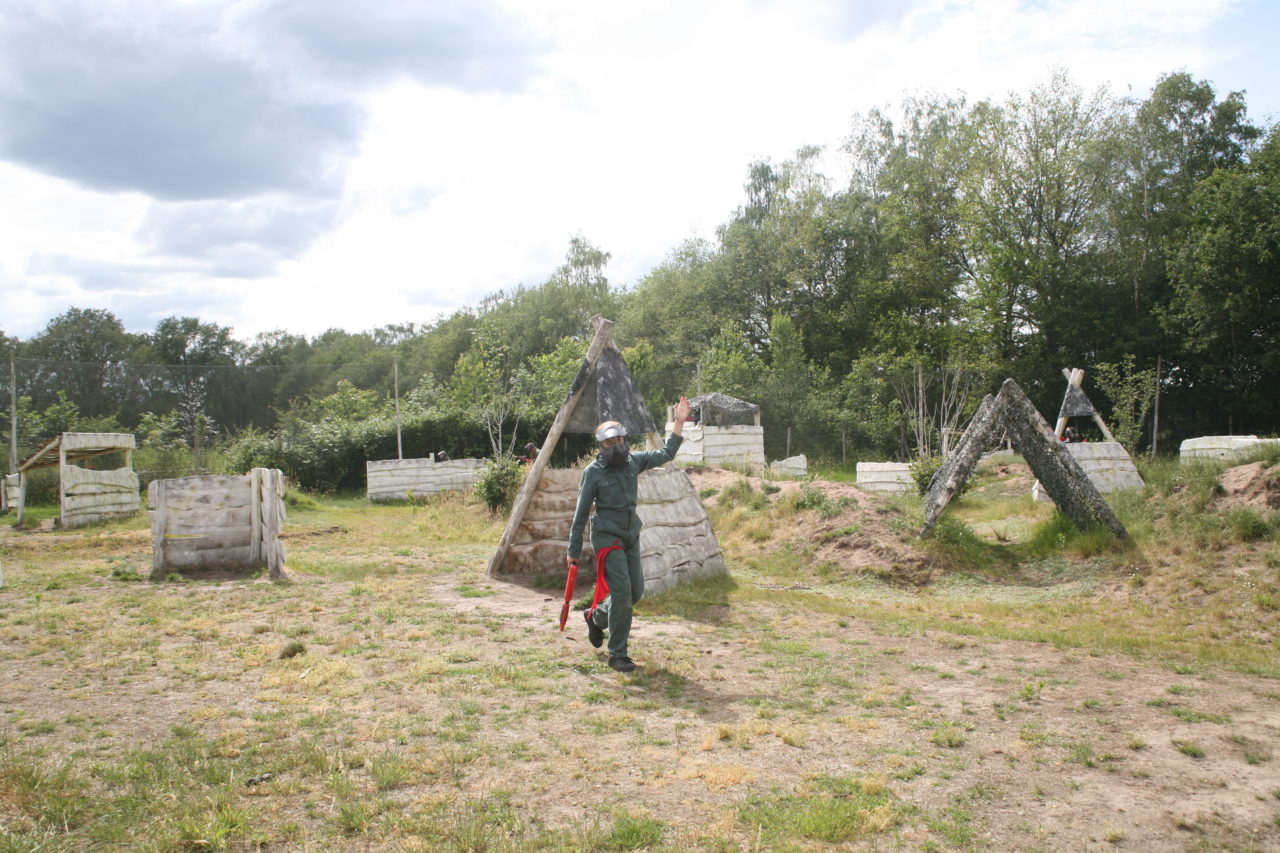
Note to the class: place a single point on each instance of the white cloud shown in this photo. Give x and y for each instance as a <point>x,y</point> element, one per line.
<point>630,124</point>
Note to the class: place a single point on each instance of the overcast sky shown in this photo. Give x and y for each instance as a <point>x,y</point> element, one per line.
<point>312,164</point>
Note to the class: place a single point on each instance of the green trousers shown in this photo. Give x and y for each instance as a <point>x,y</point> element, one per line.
<point>626,586</point>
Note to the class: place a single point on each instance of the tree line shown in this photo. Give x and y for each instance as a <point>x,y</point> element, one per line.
<point>1138,238</point>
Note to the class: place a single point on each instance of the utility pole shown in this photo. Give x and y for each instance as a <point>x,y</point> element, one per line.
<point>13,419</point>
<point>395,384</point>
<point>1155,420</point>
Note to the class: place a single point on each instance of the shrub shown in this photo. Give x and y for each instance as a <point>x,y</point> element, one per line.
<point>922,471</point>
<point>497,485</point>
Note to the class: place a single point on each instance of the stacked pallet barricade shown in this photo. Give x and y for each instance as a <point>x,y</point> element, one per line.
<point>406,479</point>
<point>218,522</point>
<point>1222,446</point>
<point>677,543</point>
<point>741,444</point>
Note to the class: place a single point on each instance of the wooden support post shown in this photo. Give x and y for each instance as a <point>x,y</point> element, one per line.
<point>256,557</point>
<point>62,489</point>
<point>957,467</point>
<point>1054,466</point>
<point>159,523</point>
<point>1155,418</point>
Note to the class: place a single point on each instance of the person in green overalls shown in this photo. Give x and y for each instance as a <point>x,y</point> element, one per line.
<point>610,483</point>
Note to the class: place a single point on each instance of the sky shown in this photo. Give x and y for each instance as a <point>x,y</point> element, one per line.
<point>303,165</point>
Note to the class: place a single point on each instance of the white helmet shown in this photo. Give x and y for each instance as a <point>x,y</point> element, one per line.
<point>610,429</point>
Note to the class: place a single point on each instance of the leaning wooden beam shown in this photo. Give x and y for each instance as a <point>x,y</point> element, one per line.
<point>1056,469</point>
<point>959,464</point>
<point>603,337</point>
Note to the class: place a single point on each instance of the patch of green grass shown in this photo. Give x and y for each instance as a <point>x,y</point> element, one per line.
<point>1189,748</point>
<point>950,735</point>
<point>835,810</point>
<point>1247,524</point>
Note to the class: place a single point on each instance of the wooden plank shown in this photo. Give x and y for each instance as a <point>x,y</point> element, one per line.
<point>155,497</point>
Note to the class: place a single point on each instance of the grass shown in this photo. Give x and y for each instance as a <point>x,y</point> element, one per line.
<point>390,698</point>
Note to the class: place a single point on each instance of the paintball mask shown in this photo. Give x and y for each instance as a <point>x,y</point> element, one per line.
<point>615,455</point>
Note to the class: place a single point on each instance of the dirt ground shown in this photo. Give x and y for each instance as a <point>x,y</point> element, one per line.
<point>981,743</point>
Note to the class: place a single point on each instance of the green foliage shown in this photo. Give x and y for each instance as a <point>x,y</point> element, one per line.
<point>922,471</point>
<point>499,482</point>
<point>837,811</point>
<point>1132,392</point>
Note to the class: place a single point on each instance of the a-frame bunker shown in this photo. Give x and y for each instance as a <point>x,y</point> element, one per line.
<point>1056,469</point>
<point>677,543</point>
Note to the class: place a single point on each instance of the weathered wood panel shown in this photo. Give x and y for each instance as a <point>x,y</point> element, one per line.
<point>892,477</point>
<point>401,479</point>
<point>218,522</point>
<point>677,543</point>
<point>80,440</point>
<point>89,496</point>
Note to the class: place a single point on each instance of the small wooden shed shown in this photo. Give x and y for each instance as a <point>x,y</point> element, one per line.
<point>726,430</point>
<point>86,495</point>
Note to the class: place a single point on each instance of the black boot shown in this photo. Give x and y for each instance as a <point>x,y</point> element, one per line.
<point>595,634</point>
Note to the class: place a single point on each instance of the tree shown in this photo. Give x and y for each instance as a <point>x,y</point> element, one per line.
<point>1132,392</point>
<point>84,352</point>
<point>1226,281</point>
<point>194,350</point>
<point>730,366</point>
<point>1036,188</point>
<point>484,386</point>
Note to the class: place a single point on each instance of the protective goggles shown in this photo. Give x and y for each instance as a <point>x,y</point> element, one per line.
<point>611,431</point>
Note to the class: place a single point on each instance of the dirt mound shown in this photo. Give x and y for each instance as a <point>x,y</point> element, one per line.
<point>1251,485</point>
<point>853,534</point>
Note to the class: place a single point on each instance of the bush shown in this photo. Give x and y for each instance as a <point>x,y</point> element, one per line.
<point>497,485</point>
<point>922,471</point>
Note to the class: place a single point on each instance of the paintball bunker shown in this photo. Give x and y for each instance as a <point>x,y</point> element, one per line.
<point>404,479</point>
<point>218,522</point>
<point>677,542</point>
<point>1221,446</point>
<point>85,495</point>
<point>1108,464</point>
<point>726,431</point>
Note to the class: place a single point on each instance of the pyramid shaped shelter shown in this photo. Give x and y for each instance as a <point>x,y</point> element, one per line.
<point>677,543</point>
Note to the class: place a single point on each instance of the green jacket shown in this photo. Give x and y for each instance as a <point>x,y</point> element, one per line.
<point>613,491</point>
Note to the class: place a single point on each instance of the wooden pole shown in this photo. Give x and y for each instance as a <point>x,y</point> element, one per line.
<point>395,384</point>
<point>1155,420</point>
<point>13,419</point>
<point>603,338</point>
